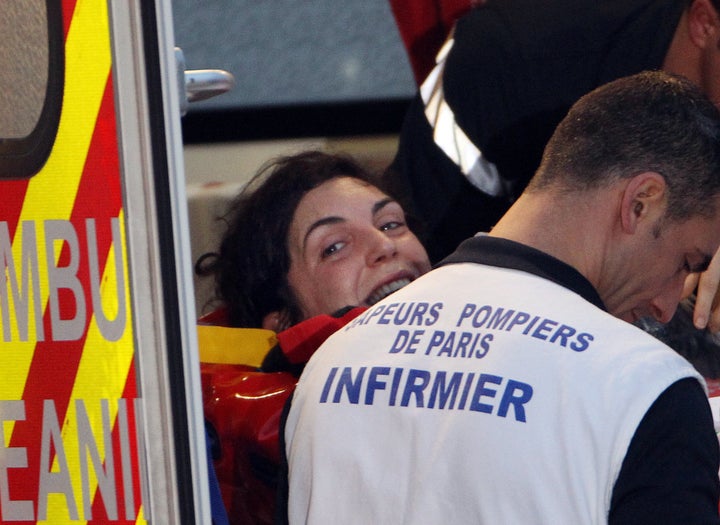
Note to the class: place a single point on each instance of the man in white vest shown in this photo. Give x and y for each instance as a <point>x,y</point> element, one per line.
<point>508,385</point>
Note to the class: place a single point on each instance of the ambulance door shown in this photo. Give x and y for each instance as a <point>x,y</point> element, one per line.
<point>100,405</point>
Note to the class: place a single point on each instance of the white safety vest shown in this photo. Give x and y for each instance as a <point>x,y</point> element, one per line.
<point>508,399</point>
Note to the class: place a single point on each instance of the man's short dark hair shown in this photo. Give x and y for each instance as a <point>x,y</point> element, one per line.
<point>652,121</point>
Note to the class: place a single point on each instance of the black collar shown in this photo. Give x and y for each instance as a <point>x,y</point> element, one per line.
<point>494,251</point>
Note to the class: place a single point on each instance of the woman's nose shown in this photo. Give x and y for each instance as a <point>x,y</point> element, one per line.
<point>381,247</point>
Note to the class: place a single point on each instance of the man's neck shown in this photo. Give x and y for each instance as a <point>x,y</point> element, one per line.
<point>540,221</point>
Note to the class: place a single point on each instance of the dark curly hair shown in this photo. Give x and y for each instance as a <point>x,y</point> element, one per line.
<point>252,264</point>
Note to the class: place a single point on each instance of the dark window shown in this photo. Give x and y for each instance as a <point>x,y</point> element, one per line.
<point>31,84</point>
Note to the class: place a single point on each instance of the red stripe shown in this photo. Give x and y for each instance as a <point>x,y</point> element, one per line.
<point>68,9</point>
<point>13,195</point>
<point>130,393</point>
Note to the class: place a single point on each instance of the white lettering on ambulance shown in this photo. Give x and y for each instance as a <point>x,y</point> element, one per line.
<point>57,480</point>
<point>24,289</point>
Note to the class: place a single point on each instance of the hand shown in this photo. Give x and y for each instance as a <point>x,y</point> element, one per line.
<point>707,311</point>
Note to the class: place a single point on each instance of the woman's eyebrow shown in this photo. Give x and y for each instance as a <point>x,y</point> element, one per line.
<point>379,205</point>
<point>320,222</point>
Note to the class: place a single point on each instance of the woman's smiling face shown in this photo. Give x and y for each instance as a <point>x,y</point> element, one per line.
<point>349,245</point>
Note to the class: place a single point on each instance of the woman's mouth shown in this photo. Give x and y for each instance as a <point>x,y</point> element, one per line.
<point>386,289</point>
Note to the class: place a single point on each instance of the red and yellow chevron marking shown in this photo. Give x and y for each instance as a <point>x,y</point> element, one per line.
<point>68,391</point>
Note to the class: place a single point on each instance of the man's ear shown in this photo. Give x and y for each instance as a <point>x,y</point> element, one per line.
<point>643,198</point>
<point>703,23</point>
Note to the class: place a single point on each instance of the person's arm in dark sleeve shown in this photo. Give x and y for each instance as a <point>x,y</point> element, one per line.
<point>670,473</point>
<point>435,193</point>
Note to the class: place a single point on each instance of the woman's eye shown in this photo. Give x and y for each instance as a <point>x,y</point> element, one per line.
<point>332,249</point>
<point>392,225</point>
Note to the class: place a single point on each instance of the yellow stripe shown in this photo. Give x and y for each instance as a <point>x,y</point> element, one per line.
<point>51,193</point>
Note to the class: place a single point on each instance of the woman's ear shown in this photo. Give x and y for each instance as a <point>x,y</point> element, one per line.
<point>271,321</point>
<point>277,321</point>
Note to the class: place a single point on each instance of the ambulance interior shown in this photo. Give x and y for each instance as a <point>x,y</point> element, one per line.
<point>335,75</point>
